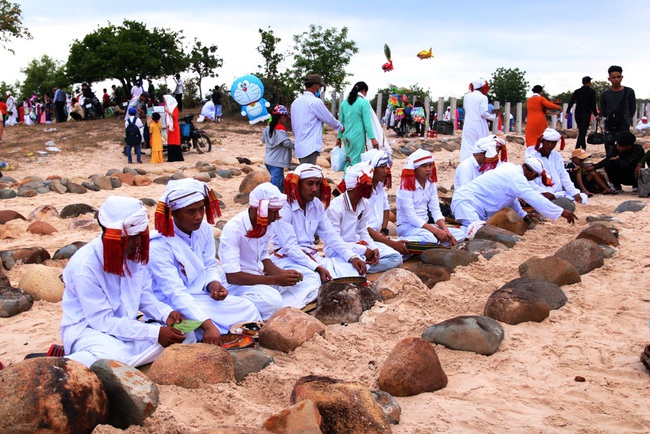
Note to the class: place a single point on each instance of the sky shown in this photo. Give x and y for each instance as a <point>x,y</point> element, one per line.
<point>555,42</point>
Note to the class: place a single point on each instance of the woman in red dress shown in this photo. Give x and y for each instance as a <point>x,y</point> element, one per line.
<point>174,152</point>
<point>536,122</point>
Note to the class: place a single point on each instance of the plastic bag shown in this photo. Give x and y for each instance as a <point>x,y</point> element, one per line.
<point>337,159</point>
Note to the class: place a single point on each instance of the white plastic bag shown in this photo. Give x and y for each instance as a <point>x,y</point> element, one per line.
<point>337,159</point>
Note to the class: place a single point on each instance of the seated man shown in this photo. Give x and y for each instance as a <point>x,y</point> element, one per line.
<point>301,219</point>
<point>349,215</point>
<point>208,111</point>
<point>244,252</point>
<point>183,263</point>
<point>561,184</point>
<point>106,285</point>
<point>488,152</point>
<point>416,198</point>
<point>642,124</point>
<point>621,165</point>
<point>474,203</point>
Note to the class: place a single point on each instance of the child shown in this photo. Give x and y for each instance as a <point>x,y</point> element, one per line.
<point>416,198</point>
<point>278,145</point>
<point>155,135</point>
<point>588,183</point>
<point>133,134</point>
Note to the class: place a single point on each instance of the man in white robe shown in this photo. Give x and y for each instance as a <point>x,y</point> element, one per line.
<point>183,262</point>
<point>488,152</point>
<point>208,111</point>
<point>475,126</point>
<point>12,110</point>
<point>106,285</point>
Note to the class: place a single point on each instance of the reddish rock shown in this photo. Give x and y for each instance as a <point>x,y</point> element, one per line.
<point>302,417</point>
<point>509,220</point>
<point>254,179</point>
<point>514,305</point>
<point>53,177</point>
<point>599,234</point>
<point>125,178</point>
<point>7,215</point>
<point>583,254</point>
<point>103,182</point>
<point>142,180</point>
<point>550,269</point>
<point>31,255</point>
<point>41,228</point>
<point>289,328</point>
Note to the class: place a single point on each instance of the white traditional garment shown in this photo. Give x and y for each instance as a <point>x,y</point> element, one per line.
<point>171,104</point>
<point>209,111</point>
<point>562,184</point>
<point>12,119</point>
<point>643,123</point>
<point>498,189</point>
<point>469,168</point>
<point>475,124</point>
<point>466,171</point>
<point>378,132</point>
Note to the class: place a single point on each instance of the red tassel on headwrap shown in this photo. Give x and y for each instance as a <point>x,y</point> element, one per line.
<point>141,253</point>
<point>434,173</point>
<point>388,182</point>
<point>212,209</point>
<point>538,144</point>
<point>114,245</point>
<point>503,153</point>
<point>342,187</point>
<point>489,164</point>
<point>325,192</point>
<point>562,143</point>
<point>546,180</point>
<point>163,221</point>
<point>408,180</point>
<point>291,187</point>
<point>260,227</point>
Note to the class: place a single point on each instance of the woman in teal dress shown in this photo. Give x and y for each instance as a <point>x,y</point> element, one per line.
<point>356,117</point>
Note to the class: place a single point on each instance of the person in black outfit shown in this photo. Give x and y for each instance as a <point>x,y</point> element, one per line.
<point>617,105</point>
<point>585,101</point>
<point>621,165</point>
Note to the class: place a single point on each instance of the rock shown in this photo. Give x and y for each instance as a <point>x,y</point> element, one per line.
<point>207,168</point>
<point>86,225</point>
<point>192,365</point>
<point>203,177</point>
<point>600,234</point>
<point>140,171</point>
<point>485,248</point>
<point>32,185</point>
<point>389,406</point>
<point>233,172</point>
<point>288,329</point>
<point>550,269</point>
<point>323,163</point>
<point>130,170</point>
<point>8,179</point>
<point>565,203</point>
<point>51,394</point>
<point>200,163</point>
<point>394,282</point>
<point>515,139</point>
<point>608,251</point>
<point>550,292</point>
<point>493,233</point>
<point>75,188</point>
<point>302,417</point>
<point>57,187</point>
<point>340,303</point>
<point>346,407</point>
<point>115,182</point>
<point>4,280</point>
<point>103,182</point>
<point>43,212</point>
<point>630,206</point>
<point>42,190</point>
<point>27,192</point>
<point>224,173</point>
<point>178,175</point>
<point>243,160</point>
<point>132,396</point>
<point>141,181</point>
<point>448,258</point>
<point>509,220</point>
<point>583,254</point>
<point>7,193</point>
<point>31,255</point>
<point>76,209</point>
<point>412,368</point>
<point>450,146</point>
<point>111,172</point>
<point>7,258</point>
<point>398,155</point>
<point>12,302</point>
<point>41,228</point>
<point>9,215</point>
<point>90,186</point>
<point>479,334</point>
<point>514,305</point>
<point>254,179</point>
<point>42,283</point>
<point>405,150</point>
<point>226,161</point>
<point>66,252</point>
<point>8,232</point>
<point>248,361</point>
<point>148,202</point>
<point>155,171</point>
<point>241,198</point>
<point>247,169</point>
<point>430,274</point>
<point>162,180</point>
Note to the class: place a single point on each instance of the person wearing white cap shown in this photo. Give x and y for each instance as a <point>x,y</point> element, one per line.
<point>474,203</point>
<point>349,214</point>
<point>562,186</point>
<point>475,125</point>
<point>417,197</point>
<point>12,110</point>
<point>488,152</point>
<point>183,263</point>
<point>106,285</point>
<point>303,217</point>
<point>642,124</point>
<point>244,252</point>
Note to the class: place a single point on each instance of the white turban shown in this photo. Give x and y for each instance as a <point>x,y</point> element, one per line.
<point>184,192</point>
<point>376,158</point>
<point>477,84</point>
<point>551,135</point>
<point>307,170</point>
<point>488,145</point>
<point>125,214</point>
<point>355,173</point>
<point>267,195</point>
<point>418,158</point>
<point>535,164</point>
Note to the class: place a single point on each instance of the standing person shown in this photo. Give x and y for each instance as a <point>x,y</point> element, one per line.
<point>59,104</point>
<point>308,113</point>
<point>536,122</point>
<point>106,285</point>
<point>12,110</point>
<point>278,146</point>
<point>174,152</point>
<point>106,99</point>
<point>475,126</point>
<point>178,92</point>
<point>419,117</point>
<point>617,106</point>
<point>216,100</point>
<point>117,96</point>
<point>356,117</point>
<point>28,112</point>
<point>3,115</point>
<point>585,101</point>
<point>133,134</point>
<point>155,135</point>
<point>136,89</point>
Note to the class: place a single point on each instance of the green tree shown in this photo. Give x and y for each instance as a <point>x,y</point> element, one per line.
<point>600,86</point>
<point>508,85</point>
<point>4,87</point>
<point>190,92</point>
<point>204,61</point>
<point>127,53</point>
<point>278,86</point>
<point>41,75</point>
<point>563,97</point>
<point>11,24</point>
<point>324,52</point>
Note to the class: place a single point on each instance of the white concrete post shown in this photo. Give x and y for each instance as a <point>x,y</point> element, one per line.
<point>453,114</point>
<point>333,103</point>
<point>427,111</point>
<point>441,108</point>
<point>495,123</point>
<point>520,117</point>
<point>380,99</point>
<point>506,119</point>
<point>564,119</point>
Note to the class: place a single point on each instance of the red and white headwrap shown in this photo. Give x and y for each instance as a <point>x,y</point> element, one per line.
<point>123,217</point>
<point>493,147</point>
<point>537,166</point>
<point>477,84</point>
<point>415,160</point>
<point>264,197</point>
<point>359,175</point>
<point>305,171</point>
<point>179,194</point>
<point>552,136</point>
<point>377,158</point>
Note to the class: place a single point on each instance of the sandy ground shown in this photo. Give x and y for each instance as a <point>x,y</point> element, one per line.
<point>527,386</point>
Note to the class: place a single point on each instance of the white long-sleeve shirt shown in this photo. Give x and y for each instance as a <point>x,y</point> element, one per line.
<point>377,204</point>
<point>351,224</point>
<point>412,206</point>
<point>239,253</point>
<point>554,166</point>
<point>466,172</point>
<point>475,124</point>
<point>308,114</point>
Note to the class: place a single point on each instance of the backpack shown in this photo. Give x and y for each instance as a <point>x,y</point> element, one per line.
<point>132,134</point>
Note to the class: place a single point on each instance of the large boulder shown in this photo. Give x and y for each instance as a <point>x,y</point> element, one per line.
<point>600,234</point>
<point>43,212</point>
<point>583,254</point>
<point>412,368</point>
<point>76,209</point>
<point>509,220</point>
<point>254,179</point>
<point>551,293</point>
<point>550,269</point>
<point>340,302</point>
<point>289,328</point>
<point>479,334</point>
<point>14,301</point>
<point>515,305</point>
<point>430,274</point>
<point>394,282</point>
<point>41,228</point>
<point>448,258</point>
<point>193,365</point>
<point>53,395</point>
<point>493,233</point>
<point>346,407</point>
<point>42,283</point>
<point>302,417</point>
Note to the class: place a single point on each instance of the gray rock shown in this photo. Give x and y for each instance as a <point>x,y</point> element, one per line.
<point>565,203</point>
<point>207,168</point>
<point>112,172</point>
<point>405,150</point>
<point>608,251</point>
<point>389,405</point>
<point>8,179</point>
<point>90,186</point>
<point>248,361</point>
<point>75,188</point>
<point>449,145</point>
<point>601,218</point>
<point>140,171</point>
<point>115,182</point>
<point>235,172</point>
<point>630,206</point>
<point>7,259</point>
<point>7,193</point>
<point>33,185</point>
<point>515,139</point>
<point>430,274</point>
<point>224,173</point>
<point>493,233</point>
<point>103,182</point>
<point>583,254</point>
<point>42,190</point>
<point>485,248</point>
<point>85,224</point>
<point>549,292</point>
<point>448,258</point>
<point>14,301</point>
<point>241,198</point>
<point>550,269</point>
<point>178,175</point>
<point>26,192</point>
<point>220,224</point>
<point>339,303</point>
<point>130,170</point>
<point>200,163</point>
<point>148,201</point>
<point>66,252</point>
<point>57,187</point>
<point>162,180</point>
<point>76,209</point>
<point>479,334</point>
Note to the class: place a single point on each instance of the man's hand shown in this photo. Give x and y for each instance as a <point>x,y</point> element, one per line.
<point>359,265</point>
<point>372,256</point>
<point>211,334</point>
<point>577,198</point>
<point>569,216</point>
<point>375,143</point>
<point>287,278</point>
<point>531,217</point>
<point>637,169</point>
<point>174,318</point>
<point>549,196</point>
<point>324,274</point>
<point>217,291</point>
<point>169,335</point>
<point>399,246</point>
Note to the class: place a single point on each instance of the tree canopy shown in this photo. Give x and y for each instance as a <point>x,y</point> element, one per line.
<point>204,61</point>
<point>508,85</point>
<point>11,24</point>
<point>278,86</point>
<point>41,75</point>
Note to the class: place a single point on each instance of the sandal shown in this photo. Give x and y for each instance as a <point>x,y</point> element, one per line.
<point>610,191</point>
<point>54,351</point>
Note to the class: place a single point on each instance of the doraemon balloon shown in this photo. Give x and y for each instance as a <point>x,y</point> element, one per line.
<point>247,91</point>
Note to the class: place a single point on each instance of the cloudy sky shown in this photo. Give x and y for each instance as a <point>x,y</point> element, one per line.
<point>555,42</point>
